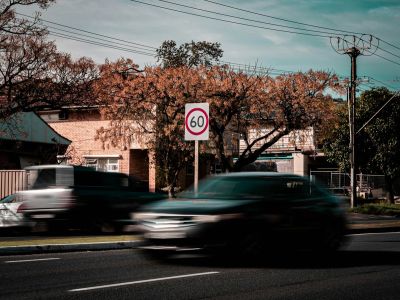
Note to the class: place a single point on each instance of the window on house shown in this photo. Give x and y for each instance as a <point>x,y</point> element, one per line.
<point>105,164</point>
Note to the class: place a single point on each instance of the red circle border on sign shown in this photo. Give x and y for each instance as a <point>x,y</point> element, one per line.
<point>187,117</point>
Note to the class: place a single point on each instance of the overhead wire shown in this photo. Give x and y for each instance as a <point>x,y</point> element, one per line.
<point>90,32</point>
<point>281,19</point>
<point>262,27</point>
<point>236,66</point>
<point>241,18</point>
<point>229,21</point>
<point>369,78</point>
<point>304,24</point>
<point>390,44</point>
<point>80,37</point>
<point>99,44</point>
<point>99,39</point>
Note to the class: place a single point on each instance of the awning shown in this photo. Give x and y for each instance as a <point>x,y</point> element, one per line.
<point>29,127</point>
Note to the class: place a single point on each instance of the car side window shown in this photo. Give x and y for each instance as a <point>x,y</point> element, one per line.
<point>297,188</point>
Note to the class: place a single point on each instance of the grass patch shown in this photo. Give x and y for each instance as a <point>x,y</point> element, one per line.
<point>31,241</point>
<point>385,209</point>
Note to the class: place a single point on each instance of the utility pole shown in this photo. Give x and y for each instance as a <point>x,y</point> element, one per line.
<point>353,53</point>
<point>354,46</point>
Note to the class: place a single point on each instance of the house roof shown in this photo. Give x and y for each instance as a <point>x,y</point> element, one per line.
<point>29,127</point>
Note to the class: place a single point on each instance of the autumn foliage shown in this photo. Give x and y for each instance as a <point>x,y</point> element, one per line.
<point>148,106</point>
<point>33,74</point>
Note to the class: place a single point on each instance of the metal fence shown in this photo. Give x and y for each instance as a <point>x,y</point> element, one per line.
<point>368,185</point>
<point>12,181</point>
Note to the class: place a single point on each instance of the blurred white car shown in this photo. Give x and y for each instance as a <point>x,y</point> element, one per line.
<point>9,215</point>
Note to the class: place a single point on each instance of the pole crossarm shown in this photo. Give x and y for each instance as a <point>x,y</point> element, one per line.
<point>365,44</point>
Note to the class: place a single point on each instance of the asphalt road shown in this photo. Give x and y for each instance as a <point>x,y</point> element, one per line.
<point>369,268</point>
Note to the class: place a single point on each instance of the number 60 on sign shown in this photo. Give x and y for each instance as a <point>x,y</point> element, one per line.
<point>196,121</point>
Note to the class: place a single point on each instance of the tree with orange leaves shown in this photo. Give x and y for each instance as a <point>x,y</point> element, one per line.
<point>149,106</point>
<point>286,103</point>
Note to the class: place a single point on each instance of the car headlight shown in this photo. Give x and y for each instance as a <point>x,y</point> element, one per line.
<point>217,218</point>
<point>143,216</point>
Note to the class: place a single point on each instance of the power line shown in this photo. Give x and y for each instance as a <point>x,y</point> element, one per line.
<point>99,44</point>
<point>394,46</point>
<point>241,18</point>
<point>281,19</point>
<point>93,33</point>
<point>300,23</point>
<point>236,66</point>
<point>97,39</point>
<point>369,78</point>
<point>385,58</point>
<point>76,36</point>
<point>365,49</point>
<point>229,21</point>
<point>252,25</point>
<point>379,110</point>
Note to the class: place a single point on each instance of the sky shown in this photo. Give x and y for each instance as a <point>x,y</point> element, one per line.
<point>149,25</point>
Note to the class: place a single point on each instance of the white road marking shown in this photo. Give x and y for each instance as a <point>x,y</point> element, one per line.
<point>373,233</point>
<point>30,260</point>
<point>141,281</point>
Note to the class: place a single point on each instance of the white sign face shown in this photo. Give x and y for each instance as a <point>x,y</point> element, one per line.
<point>196,121</point>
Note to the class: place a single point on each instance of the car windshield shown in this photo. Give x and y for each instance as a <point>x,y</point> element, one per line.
<point>241,188</point>
<point>49,177</point>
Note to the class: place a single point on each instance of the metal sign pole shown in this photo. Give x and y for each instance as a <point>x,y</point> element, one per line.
<point>196,165</point>
<point>196,128</point>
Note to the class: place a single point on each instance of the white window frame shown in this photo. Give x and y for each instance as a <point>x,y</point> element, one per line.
<point>106,163</point>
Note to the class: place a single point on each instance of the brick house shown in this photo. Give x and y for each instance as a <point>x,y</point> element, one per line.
<point>80,124</point>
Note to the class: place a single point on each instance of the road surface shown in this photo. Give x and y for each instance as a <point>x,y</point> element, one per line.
<point>369,268</point>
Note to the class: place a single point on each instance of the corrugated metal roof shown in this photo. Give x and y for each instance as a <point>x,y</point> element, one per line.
<point>29,127</point>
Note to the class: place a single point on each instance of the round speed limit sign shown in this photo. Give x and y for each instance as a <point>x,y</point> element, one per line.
<point>196,121</point>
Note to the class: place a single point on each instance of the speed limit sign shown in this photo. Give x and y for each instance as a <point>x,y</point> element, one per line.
<point>196,121</point>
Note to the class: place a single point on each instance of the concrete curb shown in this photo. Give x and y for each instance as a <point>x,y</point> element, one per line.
<point>37,249</point>
<point>116,245</point>
<point>373,230</point>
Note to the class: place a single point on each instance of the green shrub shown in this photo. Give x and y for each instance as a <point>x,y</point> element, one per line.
<point>377,209</point>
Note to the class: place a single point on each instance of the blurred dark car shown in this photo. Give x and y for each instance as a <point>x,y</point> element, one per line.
<point>245,213</point>
<point>65,196</point>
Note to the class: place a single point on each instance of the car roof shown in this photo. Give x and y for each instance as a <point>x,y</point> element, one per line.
<point>259,174</point>
<point>38,167</point>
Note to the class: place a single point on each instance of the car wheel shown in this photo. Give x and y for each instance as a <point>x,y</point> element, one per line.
<point>252,245</point>
<point>332,238</point>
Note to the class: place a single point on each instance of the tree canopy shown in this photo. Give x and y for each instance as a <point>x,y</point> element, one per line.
<point>33,74</point>
<point>191,54</point>
<point>149,106</point>
<point>377,145</point>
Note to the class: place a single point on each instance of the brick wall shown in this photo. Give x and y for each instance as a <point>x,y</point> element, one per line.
<point>80,127</point>
<point>82,134</point>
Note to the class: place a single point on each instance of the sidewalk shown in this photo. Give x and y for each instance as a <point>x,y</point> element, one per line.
<point>46,244</point>
<point>358,223</point>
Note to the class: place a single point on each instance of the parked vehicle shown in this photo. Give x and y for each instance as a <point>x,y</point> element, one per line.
<point>10,217</point>
<point>245,213</point>
<point>64,196</point>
